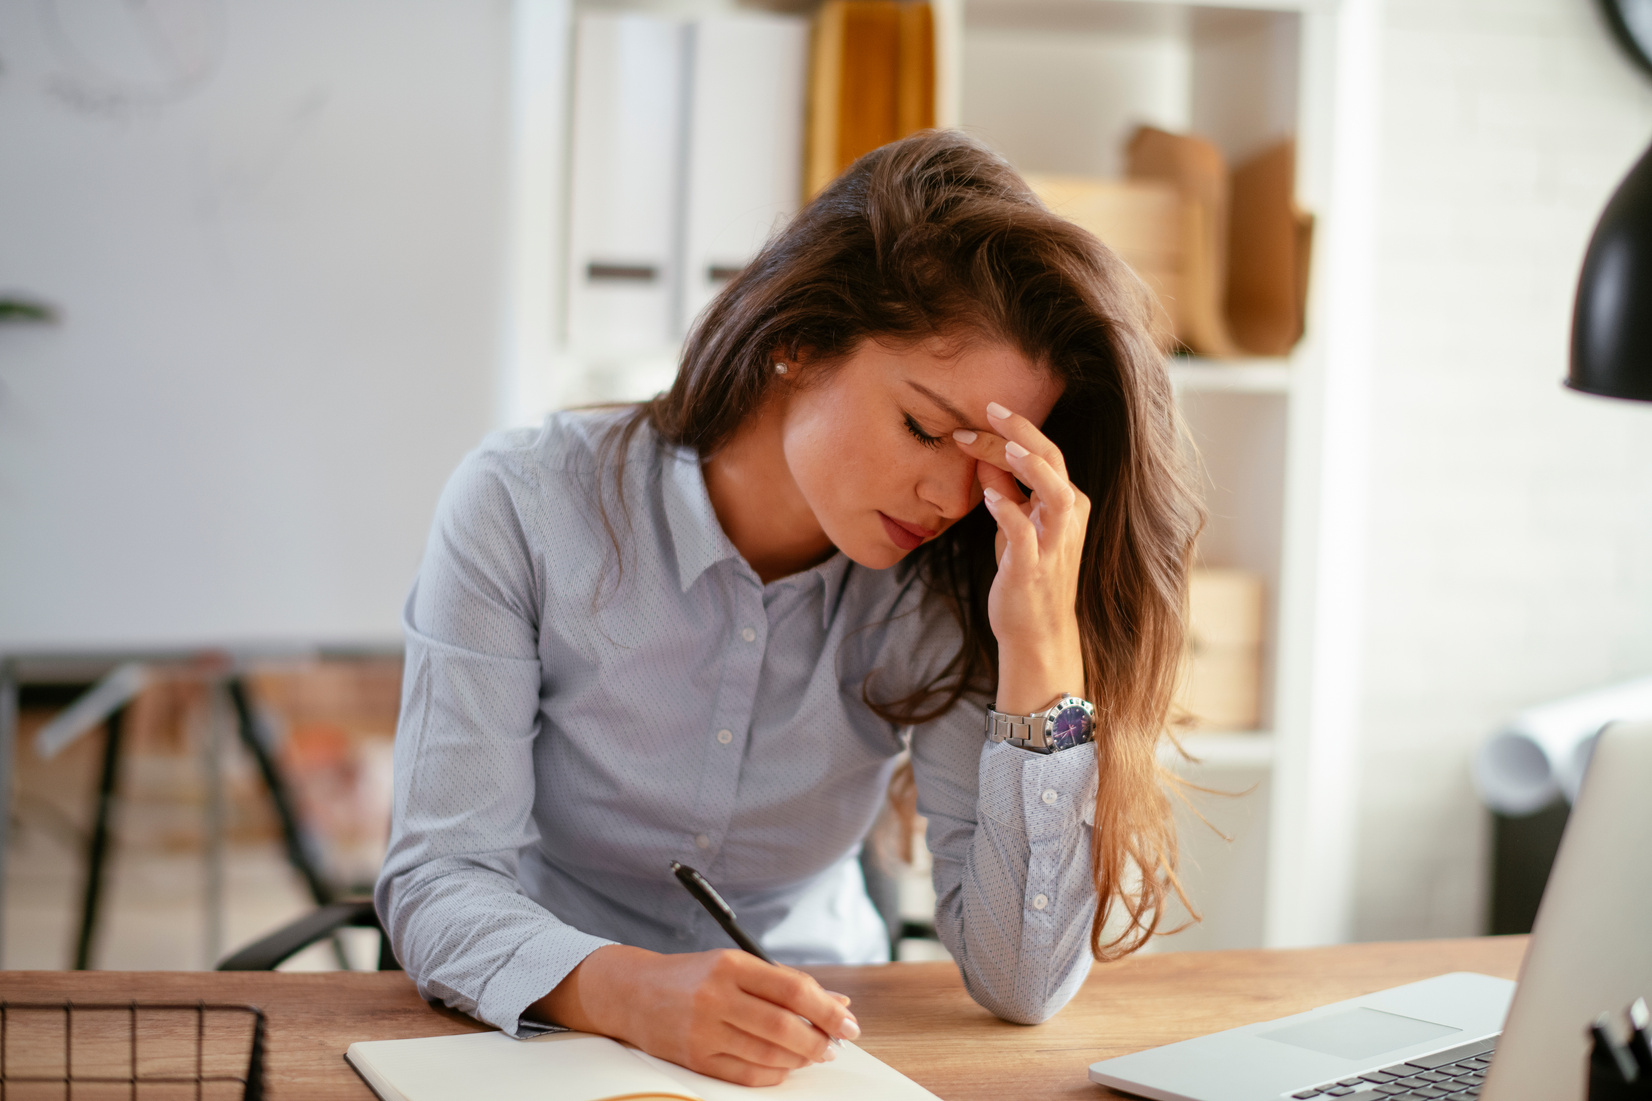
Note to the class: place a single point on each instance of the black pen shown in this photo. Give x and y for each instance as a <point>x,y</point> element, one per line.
<point>706,895</point>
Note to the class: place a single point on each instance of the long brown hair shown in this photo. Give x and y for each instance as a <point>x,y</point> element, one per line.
<point>934,236</point>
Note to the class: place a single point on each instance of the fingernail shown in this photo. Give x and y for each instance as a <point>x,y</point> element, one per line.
<point>1015,450</point>
<point>963,435</point>
<point>992,495</point>
<point>850,1029</point>
<point>996,412</point>
<point>831,1053</point>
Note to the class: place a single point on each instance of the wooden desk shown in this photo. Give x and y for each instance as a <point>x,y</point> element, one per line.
<point>916,1016</point>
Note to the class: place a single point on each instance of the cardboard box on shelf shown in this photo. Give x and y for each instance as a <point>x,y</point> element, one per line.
<point>1195,169</point>
<point>1226,253</point>
<point>1269,242</point>
<point>1141,220</point>
<point>1224,608</point>
<point>1220,689</point>
<point>1221,685</point>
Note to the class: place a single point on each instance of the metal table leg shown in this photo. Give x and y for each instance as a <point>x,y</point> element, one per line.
<point>97,850</point>
<point>298,855</point>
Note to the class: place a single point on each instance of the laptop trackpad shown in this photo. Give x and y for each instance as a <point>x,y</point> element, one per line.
<point>1358,1033</point>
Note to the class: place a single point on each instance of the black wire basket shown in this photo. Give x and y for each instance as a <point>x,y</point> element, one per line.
<point>153,1051</point>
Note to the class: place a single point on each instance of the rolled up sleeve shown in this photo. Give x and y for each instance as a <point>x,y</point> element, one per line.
<point>448,893</point>
<point>1009,833</point>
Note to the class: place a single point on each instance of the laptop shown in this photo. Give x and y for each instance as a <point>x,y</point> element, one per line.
<point>1464,1035</point>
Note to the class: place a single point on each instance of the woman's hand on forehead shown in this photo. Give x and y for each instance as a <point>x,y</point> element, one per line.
<point>1039,545</point>
<point>1018,454</point>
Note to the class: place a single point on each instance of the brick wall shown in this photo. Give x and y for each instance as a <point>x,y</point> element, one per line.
<point>1510,521</point>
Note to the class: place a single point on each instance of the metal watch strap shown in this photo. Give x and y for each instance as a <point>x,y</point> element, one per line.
<point>1025,731</point>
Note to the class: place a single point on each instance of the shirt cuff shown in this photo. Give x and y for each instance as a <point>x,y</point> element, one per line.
<point>533,972</point>
<point>1049,792</point>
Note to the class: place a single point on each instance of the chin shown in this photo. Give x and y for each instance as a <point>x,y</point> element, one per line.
<point>874,557</point>
<point>874,554</point>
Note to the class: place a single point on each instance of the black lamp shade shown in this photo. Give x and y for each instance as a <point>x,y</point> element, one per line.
<point>1612,320</point>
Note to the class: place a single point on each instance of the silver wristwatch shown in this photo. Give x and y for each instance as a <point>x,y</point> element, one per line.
<point>1067,722</point>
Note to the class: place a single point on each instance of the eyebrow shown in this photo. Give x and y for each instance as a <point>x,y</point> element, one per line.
<point>946,406</point>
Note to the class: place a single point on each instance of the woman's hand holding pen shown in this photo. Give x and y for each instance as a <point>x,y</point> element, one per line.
<point>724,1013</point>
<point>1040,541</point>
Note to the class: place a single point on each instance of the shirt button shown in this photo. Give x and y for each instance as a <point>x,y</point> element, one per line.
<point>1050,797</point>
<point>749,635</point>
<point>1040,901</point>
<point>705,843</point>
<point>725,736</point>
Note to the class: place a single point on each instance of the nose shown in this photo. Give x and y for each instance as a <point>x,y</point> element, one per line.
<point>948,486</point>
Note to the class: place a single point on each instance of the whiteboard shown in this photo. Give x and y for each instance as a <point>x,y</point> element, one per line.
<point>274,233</point>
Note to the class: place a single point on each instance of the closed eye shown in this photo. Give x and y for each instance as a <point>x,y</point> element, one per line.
<point>920,435</point>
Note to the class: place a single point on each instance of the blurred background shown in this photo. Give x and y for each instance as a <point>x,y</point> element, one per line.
<point>268,271</point>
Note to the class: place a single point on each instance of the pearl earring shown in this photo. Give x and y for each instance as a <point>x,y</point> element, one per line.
<point>779,368</point>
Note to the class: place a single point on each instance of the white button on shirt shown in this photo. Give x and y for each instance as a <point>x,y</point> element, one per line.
<point>1049,797</point>
<point>551,760</point>
<point>1040,901</point>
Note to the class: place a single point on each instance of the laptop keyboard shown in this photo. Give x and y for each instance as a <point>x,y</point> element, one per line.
<point>1455,1073</point>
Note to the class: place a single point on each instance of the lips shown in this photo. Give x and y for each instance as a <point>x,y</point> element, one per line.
<point>905,536</point>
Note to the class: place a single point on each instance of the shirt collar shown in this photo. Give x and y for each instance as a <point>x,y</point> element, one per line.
<point>699,540</point>
<point>695,533</point>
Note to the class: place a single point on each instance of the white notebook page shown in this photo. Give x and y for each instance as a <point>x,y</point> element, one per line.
<point>853,1075</point>
<point>561,1066</point>
<point>575,1066</point>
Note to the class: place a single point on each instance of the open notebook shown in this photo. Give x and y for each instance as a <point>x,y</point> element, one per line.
<point>576,1066</point>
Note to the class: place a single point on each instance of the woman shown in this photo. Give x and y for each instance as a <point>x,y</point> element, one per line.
<point>708,627</point>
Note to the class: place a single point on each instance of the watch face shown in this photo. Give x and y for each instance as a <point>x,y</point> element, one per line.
<point>1070,726</point>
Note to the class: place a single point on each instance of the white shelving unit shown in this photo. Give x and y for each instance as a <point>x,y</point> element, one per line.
<point>1057,85</point>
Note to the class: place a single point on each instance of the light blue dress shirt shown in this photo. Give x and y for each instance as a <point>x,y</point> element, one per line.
<point>570,725</point>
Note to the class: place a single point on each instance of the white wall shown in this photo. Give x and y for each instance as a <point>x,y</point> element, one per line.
<point>1510,521</point>
<point>273,232</point>
<point>1109,83</point>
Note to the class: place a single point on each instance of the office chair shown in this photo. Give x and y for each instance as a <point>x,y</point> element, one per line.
<point>269,952</point>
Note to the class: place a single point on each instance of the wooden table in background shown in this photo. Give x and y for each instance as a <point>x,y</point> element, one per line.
<point>915,1016</point>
